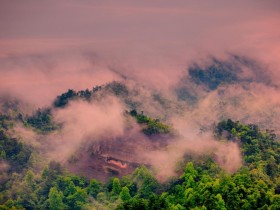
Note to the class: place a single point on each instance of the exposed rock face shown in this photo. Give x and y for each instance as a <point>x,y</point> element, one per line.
<point>113,156</point>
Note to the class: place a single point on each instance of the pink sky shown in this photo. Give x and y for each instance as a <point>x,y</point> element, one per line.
<point>49,46</point>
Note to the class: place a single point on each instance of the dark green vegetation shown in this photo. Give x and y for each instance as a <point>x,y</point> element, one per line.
<point>151,126</point>
<point>16,153</point>
<point>259,148</point>
<point>214,75</point>
<point>218,72</point>
<point>64,98</point>
<point>211,76</point>
<point>115,88</point>
<point>41,120</point>
<point>201,184</point>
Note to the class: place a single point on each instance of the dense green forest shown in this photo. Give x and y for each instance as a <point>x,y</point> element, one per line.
<point>200,184</point>
<point>28,181</point>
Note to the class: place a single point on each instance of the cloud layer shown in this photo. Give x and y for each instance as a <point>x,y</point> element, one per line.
<point>149,46</point>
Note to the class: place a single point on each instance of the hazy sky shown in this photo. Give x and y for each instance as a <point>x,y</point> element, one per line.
<point>161,22</point>
<point>59,40</point>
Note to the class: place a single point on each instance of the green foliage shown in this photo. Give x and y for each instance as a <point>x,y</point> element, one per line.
<point>4,122</point>
<point>55,199</point>
<point>202,184</point>
<point>94,188</point>
<point>116,189</point>
<point>275,200</point>
<point>124,194</point>
<point>190,175</point>
<point>219,203</point>
<point>214,75</point>
<point>158,202</point>
<point>117,88</point>
<point>42,120</point>
<point>145,182</point>
<point>3,154</point>
<point>134,204</point>
<point>77,199</point>
<point>152,126</point>
<point>13,151</point>
<point>64,98</point>
<point>257,147</point>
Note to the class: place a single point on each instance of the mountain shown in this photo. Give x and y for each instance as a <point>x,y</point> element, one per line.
<point>122,145</point>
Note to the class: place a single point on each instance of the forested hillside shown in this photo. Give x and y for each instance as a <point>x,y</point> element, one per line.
<point>28,182</point>
<point>139,105</point>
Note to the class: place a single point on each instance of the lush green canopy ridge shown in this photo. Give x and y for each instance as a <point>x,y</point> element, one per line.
<point>201,185</point>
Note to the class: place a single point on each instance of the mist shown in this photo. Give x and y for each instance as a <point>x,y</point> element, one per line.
<point>84,122</point>
<point>149,46</point>
<point>150,42</point>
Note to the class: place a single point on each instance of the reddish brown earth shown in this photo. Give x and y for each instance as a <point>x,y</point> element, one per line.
<point>113,157</point>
